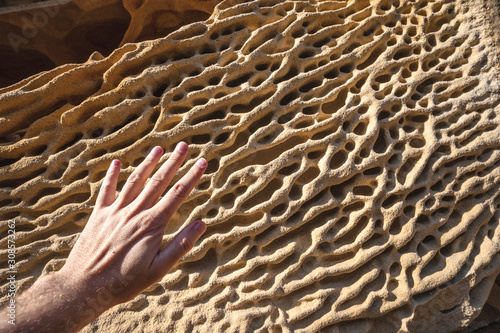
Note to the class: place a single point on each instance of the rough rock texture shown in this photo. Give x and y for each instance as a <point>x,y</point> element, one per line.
<point>153,17</point>
<point>354,164</point>
<point>38,36</point>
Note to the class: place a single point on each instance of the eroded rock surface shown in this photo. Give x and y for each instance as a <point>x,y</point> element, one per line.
<point>38,36</point>
<point>354,164</point>
<point>150,18</point>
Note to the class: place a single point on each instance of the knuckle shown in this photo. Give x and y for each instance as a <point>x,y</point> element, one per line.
<point>179,190</point>
<point>159,179</point>
<point>148,222</point>
<point>106,187</point>
<point>127,215</point>
<point>175,157</point>
<point>187,245</point>
<point>133,179</point>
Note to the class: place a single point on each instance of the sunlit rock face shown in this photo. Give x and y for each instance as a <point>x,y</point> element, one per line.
<point>354,164</point>
<point>40,35</point>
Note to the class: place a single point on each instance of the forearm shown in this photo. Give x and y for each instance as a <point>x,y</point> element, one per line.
<point>50,306</point>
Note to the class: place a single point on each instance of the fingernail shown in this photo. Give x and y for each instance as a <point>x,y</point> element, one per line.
<point>200,227</point>
<point>157,150</point>
<point>181,147</point>
<point>202,163</point>
<point>116,163</point>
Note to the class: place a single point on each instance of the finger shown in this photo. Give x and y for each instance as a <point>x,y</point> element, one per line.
<point>107,192</point>
<point>160,180</point>
<point>136,180</point>
<point>182,243</point>
<point>167,206</point>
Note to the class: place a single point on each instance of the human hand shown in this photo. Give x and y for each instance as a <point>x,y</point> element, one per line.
<point>119,253</point>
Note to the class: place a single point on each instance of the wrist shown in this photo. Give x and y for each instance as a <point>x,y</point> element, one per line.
<point>56,303</point>
<point>84,299</point>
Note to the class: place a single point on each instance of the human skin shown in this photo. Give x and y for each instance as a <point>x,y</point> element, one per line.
<point>119,253</point>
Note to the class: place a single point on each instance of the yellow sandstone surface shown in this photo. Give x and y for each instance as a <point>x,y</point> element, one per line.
<point>354,165</point>
<point>38,36</point>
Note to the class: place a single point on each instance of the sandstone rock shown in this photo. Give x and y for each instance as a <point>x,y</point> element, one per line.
<point>354,164</point>
<point>42,35</point>
<point>154,17</point>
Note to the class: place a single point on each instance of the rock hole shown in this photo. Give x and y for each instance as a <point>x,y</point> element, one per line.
<point>374,55</point>
<point>70,143</point>
<point>263,195</point>
<point>279,210</point>
<point>195,88</point>
<point>306,54</point>
<point>289,98</point>
<point>286,118</point>
<point>402,53</point>
<point>122,145</point>
<point>310,85</point>
<point>338,159</point>
<point>383,78</point>
<point>390,201</point>
<point>200,139</point>
<point>227,200</point>
<point>75,198</point>
<point>322,42</point>
<point>380,145</point>
<point>347,68</point>
<point>360,128</point>
<point>292,72</point>
<point>221,138</point>
<point>288,170</point>
<point>43,193</point>
<point>239,81</point>
<point>213,166</point>
<point>334,106</point>
<point>200,101</point>
<point>396,227</point>
<point>350,145</point>
<point>212,213</point>
<point>309,175</point>
<point>384,114</point>
<point>81,175</point>
<point>161,89</point>
<point>262,122</point>
<point>218,114</point>
<point>295,192</point>
<point>373,171</point>
<point>417,142</point>
<point>9,161</point>
<point>350,237</point>
<point>363,190</point>
<point>303,124</point>
<point>96,133</point>
<point>154,116</point>
<point>315,154</point>
<point>214,81</point>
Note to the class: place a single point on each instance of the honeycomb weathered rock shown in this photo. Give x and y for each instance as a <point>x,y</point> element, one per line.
<point>38,36</point>
<point>354,164</point>
<point>150,16</point>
